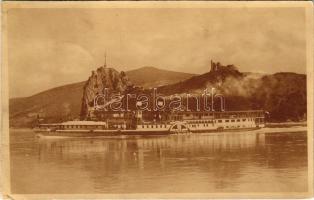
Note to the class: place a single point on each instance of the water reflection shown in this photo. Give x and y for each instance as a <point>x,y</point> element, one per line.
<point>225,162</point>
<point>213,143</point>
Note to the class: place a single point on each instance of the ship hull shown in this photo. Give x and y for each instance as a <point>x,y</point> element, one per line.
<point>119,133</point>
<point>98,133</point>
<point>224,130</point>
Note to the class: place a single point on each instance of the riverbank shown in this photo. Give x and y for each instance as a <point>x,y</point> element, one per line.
<point>292,129</point>
<point>285,124</point>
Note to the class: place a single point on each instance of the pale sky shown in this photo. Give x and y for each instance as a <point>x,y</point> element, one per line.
<point>53,47</point>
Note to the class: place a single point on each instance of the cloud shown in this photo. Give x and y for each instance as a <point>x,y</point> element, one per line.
<point>58,46</point>
<point>48,64</point>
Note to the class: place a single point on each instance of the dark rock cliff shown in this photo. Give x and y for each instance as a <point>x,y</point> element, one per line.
<point>99,80</point>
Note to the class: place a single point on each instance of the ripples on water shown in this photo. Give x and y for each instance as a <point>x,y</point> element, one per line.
<point>224,162</point>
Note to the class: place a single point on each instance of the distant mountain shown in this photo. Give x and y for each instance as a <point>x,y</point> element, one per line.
<point>62,103</point>
<point>149,77</point>
<point>55,104</point>
<point>255,75</point>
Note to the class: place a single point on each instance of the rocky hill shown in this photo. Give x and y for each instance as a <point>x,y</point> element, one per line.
<point>283,94</point>
<point>100,79</point>
<point>215,78</point>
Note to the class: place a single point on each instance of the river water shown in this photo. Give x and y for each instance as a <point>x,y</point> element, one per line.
<point>195,163</point>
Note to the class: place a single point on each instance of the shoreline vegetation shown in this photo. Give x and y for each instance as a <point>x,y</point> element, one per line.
<point>285,124</point>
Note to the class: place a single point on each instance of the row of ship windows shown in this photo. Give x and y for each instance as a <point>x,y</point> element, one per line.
<point>220,121</point>
<point>197,125</point>
<point>206,125</point>
<point>238,120</point>
<point>154,126</point>
<point>243,126</point>
<point>192,125</point>
<point>82,126</point>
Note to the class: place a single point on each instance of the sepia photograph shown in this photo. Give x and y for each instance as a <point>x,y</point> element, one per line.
<point>156,100</point>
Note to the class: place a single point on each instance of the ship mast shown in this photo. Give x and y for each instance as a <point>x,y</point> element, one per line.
<point>105,64</point>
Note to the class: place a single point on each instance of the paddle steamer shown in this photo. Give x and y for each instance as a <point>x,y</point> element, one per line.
<point>133,123</point>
